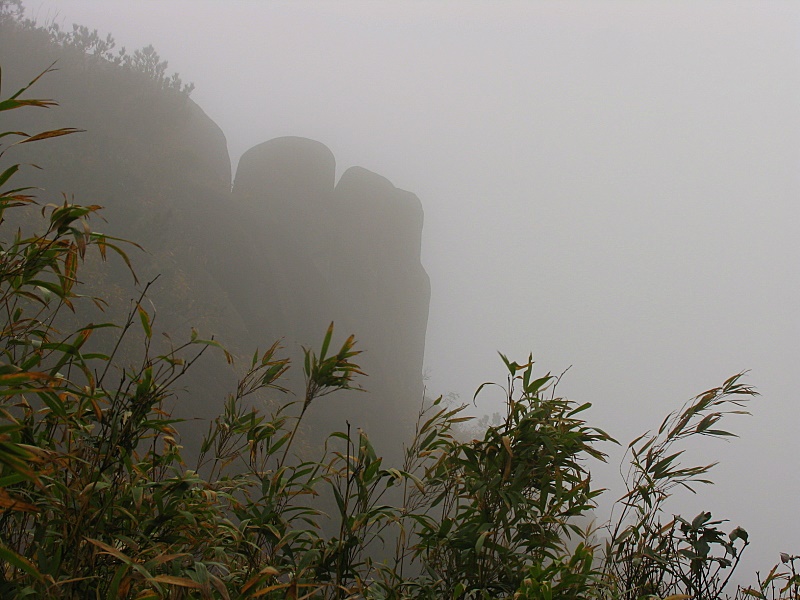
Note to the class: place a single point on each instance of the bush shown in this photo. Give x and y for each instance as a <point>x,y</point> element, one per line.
<point>88,44</point>
<point>97,499</point>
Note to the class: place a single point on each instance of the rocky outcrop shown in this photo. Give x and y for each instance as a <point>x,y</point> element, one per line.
<point>355,259</point>
<point>281,256</point>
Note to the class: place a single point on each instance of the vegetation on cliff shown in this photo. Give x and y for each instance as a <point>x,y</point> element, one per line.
<point>85,42</point>
<point>280,254</point>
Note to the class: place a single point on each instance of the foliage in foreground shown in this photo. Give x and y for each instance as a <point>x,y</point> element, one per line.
<point>97,501</point>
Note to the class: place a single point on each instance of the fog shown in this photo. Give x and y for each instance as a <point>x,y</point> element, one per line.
<point>609,186</point>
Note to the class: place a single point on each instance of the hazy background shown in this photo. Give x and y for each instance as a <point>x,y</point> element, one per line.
<point>609,185</point>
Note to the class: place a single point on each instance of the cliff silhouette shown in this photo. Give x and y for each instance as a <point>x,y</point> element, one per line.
<point>277,253</point>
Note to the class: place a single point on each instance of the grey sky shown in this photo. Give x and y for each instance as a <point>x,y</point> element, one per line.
<point>609,185</point>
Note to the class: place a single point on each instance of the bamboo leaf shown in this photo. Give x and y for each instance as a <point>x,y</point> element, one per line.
<point>145,319</point>
<point>179,581</point>
<point>11,503</point>
<point>51,134</point>
<point>18,561</point>
<point>107,549</point>
<point>326,342</point>
<point>6,175</point>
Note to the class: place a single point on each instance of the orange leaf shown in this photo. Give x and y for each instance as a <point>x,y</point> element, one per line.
<point>10,502</point>
<point>50,134</point>
<point>181,581</point>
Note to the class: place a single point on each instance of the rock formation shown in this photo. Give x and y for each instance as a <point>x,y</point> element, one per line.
<point>355,260</point>
<point>281,256</point>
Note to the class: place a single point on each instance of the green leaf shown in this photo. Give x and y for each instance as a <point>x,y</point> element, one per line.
<point>339,500</point>
<point>481,541</point>
<point>6,175</point>
<point>326,342</point>
<point>20,562</point>
<point>371,470</point>
<point>145,319</point>
<point>533,388</point>
<point>12,103</point>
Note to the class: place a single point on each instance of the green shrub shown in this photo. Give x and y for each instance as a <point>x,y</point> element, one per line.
<point>97,499</point>
<point>501,508</point>
<point>646,554</point>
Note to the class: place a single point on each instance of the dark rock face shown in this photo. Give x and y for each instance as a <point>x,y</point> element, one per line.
<point>283,255</point>
<point>355,252</point>
<point>160,168</point>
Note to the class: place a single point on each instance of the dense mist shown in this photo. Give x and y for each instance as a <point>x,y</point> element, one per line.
<point>611,187</point>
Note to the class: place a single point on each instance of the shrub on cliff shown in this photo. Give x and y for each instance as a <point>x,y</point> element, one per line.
<point>88,44</point>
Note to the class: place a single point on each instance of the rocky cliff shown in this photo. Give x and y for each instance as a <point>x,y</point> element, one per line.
<point>280,256</point>
<point>349,253</point>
